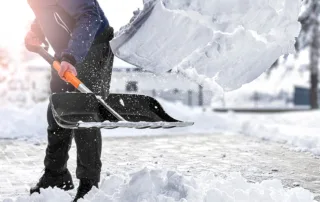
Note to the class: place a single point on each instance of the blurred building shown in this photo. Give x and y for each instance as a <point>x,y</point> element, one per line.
<point>37,78</point>
<point>170,87</point>
<point>125,79</point>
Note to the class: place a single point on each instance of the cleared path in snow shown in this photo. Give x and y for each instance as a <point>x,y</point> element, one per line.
<point>21,161</point>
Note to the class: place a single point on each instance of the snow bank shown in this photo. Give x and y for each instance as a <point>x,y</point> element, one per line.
<point>300,130</point>
<point>169,186</point>
<point>32,123</point>
<point>229,42</point>
<point>18,122</point>
<point>47,195</point>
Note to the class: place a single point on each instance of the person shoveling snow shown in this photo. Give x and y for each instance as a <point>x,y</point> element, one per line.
<point>81,44</point>
<point>79,33</point>
<point>225,42</point>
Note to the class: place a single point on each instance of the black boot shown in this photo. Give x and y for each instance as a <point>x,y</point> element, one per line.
<point>53,179</point>
<point>84,187</point>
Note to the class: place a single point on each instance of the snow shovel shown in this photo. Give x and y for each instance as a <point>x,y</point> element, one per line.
<point>87,110</point>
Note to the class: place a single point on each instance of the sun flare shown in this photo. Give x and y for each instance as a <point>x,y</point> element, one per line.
<point>15,17</point>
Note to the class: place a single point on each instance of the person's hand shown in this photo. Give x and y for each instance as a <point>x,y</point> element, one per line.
<point>31,39</point>
<point>66,67</point>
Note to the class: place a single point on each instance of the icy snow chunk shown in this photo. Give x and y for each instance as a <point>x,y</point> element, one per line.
<point>228,42</point>
<point>122,102</point>
<point>170,186</point>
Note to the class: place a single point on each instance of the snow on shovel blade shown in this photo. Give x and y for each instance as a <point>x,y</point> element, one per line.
<point>209,41</point>
<point>157,39</point>
<point>81,110</point>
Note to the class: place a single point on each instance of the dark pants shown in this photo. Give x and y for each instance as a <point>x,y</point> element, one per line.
<point>95,73</point>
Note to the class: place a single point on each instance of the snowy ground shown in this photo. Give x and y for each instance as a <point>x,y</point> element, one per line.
<point>216,143</point>
<point>199,163</point>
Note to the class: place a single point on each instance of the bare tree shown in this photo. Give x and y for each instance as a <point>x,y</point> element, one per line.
<point>310,38</point>
<point>314,54</point>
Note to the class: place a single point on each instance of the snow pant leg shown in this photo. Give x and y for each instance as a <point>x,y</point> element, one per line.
<point>59,139</point>
<point>89,146</point>
<point>95,73</point>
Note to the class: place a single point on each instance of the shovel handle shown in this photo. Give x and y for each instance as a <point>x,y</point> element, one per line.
<point>70,78</point>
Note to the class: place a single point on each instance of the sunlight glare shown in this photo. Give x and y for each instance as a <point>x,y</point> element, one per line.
<point>15,17</point>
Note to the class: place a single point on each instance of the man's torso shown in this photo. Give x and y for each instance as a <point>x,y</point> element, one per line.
<point>62,4</point>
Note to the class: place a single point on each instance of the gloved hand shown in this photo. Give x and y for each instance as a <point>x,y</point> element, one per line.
<point>66,67</point>
<point>32,40</point>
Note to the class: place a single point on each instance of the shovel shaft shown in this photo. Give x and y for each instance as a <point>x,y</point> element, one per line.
<point>114,113</point>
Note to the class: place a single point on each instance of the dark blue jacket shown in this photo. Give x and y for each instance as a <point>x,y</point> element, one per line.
<point>69,25</point>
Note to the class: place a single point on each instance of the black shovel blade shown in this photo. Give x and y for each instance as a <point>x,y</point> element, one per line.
<point>70,108</point>
<point>77,110</point>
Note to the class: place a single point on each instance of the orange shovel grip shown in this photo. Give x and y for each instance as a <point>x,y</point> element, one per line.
<point>67,75</point>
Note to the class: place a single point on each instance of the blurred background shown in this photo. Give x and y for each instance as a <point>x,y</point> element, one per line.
<point>290,84</point>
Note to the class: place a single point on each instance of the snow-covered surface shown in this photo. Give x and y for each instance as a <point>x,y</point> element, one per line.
<point>298,130</point>
<point>169,186</point>
<point>228,42</point>
<point>295,129</point>
<point>16,122</point>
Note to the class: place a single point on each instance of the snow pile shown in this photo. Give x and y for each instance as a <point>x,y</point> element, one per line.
<point>300,130</point>
<point>47,195</point>
<point>297,130</point>
<point>157,185</point>
<point>17,122</point>
<point>21,123</point>
<point>229,42</point>
<point>169,186</point>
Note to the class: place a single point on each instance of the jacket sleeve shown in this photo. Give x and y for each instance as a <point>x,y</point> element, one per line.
<point>88,20</point>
